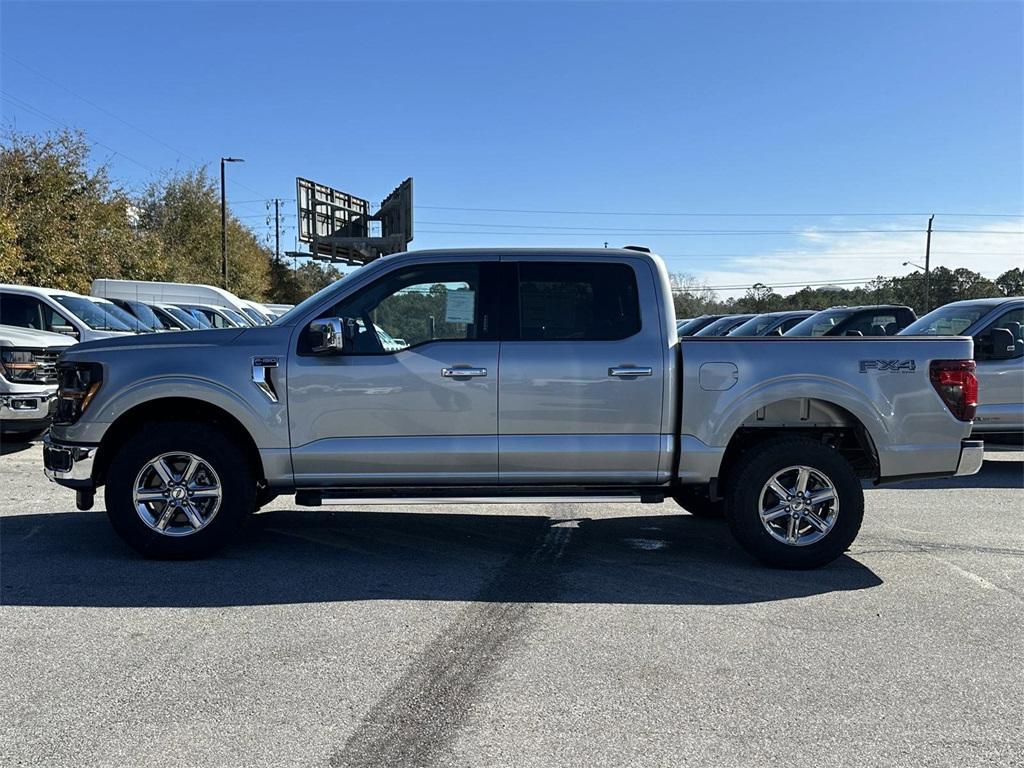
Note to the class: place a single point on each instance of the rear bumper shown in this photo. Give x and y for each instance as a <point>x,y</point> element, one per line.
<point>972,454</point>
<point>69,465</point>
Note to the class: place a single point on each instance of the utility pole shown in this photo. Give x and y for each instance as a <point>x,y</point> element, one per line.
<point>224,222</point>
<point>277,231</point>
<point>927,266</point>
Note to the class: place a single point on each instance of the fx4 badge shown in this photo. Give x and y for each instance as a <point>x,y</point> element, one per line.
<point>897,366</point>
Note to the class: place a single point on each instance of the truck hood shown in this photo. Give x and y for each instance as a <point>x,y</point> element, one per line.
<point>211,337</point>
<point>13,336</point>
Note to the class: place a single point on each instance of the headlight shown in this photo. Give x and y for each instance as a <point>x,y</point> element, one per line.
<point>77,384</point>
<point>17,364</point>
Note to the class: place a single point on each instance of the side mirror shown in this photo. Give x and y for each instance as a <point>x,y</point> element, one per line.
<point>68,330</point>
<point>327,336</point>
<point>1003,344</point>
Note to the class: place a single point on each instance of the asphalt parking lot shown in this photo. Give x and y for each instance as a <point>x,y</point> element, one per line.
<point>540,635</point>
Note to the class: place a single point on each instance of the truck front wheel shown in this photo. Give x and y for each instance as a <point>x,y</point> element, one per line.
<point>179,490</point>
<point>794,503</point>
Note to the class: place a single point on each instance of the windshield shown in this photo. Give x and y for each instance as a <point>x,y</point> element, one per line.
<point>147,315</point>
<point>125,317</point>
<point>947,321</point>
<point>254,317</point>
<point>821,323</point>
<point>185,318</point>
<point>692,326</point>
<point>721,326</point>
<point>91,314</point>
<point>236,317</point>
<point>302,307</point>
<point>755,326</point>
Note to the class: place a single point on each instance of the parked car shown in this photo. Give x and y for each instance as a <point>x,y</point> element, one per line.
<point>48,309</point>
<point>122,315</point>
<point>723,325</point>
<point>692,326</point>
<point>771,323</point>
<point>188,320</point>
<point>171,293</point>
<point>217,317</point>
<point>190,432</point>
<point>995,325</point>
<point>149,316</point>
<point>255,312</point>
<point>876,320</point>
<point>28,380</point>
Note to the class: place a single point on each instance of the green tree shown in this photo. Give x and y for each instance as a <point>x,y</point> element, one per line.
<point>183,214</point>
<point>1011,282</point>
<point>61,223</point>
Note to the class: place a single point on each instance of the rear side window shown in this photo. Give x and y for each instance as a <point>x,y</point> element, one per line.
<point>577,301</point>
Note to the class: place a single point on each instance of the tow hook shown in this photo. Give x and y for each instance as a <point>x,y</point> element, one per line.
<point>84,499</point>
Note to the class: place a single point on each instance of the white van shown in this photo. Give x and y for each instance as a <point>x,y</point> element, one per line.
<point>49,309</point>
<point>153,292</point>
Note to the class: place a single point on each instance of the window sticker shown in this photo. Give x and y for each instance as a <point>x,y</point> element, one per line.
<point>460,307</point>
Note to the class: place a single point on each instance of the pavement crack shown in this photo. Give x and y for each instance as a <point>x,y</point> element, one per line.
<point>416,720</point>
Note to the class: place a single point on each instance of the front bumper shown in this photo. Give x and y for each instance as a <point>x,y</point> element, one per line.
<point>972,454</point>
<point>26,407</point>
<point>69,465</point>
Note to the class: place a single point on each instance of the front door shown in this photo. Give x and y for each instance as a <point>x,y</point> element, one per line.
<point>582,374</point>
<point>1000,381</point>
<point>413,398</point>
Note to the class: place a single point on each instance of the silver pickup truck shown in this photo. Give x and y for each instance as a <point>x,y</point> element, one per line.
<point>520,373</point>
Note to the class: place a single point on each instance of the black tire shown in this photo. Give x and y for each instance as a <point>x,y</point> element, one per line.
<point>694,499</point>
<point>218,450</point>
<point>743,497</point>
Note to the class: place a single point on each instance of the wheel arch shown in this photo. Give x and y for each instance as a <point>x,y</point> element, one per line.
<point>817,418</point>
<point>168,409</point>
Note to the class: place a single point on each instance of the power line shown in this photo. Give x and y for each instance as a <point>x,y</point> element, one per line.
<point>710,233</point>
<point>22,104</point>
<point>603,230</point>
<point>120,119</point>
<point>708,214</point>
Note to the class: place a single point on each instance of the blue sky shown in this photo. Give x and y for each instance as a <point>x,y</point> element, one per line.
<point>695,108</point>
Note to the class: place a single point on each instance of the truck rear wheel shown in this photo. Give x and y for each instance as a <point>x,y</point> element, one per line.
<point>695,500</point>
<point>794,503</point>
<point>179,490</point>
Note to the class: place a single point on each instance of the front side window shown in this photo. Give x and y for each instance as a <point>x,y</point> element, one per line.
<point>416,305</point>
<point>1012,321</point>
<point>574,301</point>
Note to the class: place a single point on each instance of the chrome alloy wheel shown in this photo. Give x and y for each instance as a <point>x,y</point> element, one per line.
<point>177,494</point>
<point>799,505</point>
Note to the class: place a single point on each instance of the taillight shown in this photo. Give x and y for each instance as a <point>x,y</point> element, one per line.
<point>957,385</point>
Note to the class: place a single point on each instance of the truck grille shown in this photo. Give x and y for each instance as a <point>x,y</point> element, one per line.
<point>46,359</point>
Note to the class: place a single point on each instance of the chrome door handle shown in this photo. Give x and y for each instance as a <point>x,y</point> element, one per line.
<point>460,373</point>
<point>628,371</point>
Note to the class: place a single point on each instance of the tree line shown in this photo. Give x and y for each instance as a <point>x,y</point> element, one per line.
<point>693,298</point>
<point>64,222</point>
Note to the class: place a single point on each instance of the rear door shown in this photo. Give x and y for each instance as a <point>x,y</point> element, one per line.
<point>582,372</point>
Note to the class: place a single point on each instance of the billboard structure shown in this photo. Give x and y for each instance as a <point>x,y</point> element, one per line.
<point>339,228</point>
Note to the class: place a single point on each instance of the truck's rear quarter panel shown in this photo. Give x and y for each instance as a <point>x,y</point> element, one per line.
<point>881,382</point>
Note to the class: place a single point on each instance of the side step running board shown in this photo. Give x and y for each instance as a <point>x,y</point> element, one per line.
<point>312,497</point>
